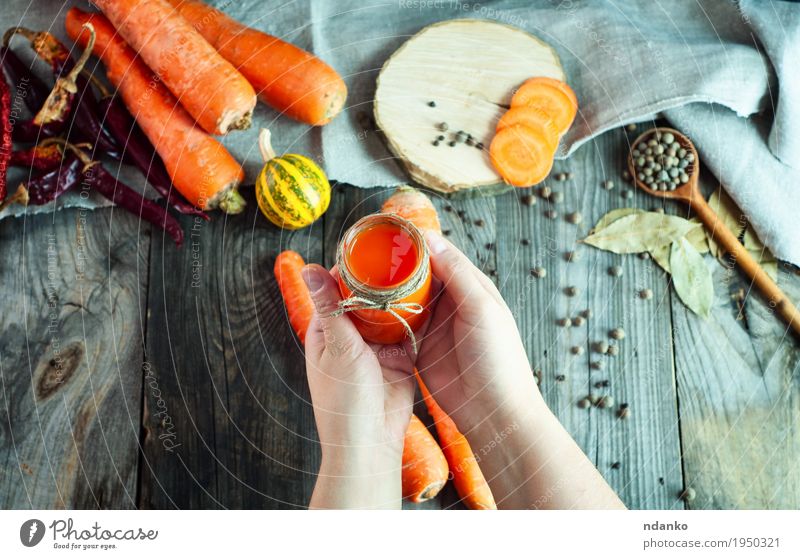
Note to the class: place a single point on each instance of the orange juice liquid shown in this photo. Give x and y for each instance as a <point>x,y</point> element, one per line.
<point>383,255</point>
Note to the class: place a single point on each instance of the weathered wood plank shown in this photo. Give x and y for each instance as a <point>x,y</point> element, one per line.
<point>74,289</point>
<point>739,397</point>
<point>229,371</point>
<point>646,446</point>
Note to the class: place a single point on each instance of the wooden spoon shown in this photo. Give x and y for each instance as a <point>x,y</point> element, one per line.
<point>690,193</point>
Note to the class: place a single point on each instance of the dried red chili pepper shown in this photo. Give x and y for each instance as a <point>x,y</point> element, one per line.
<point>42,157</point>
<point>47,186</point>
<point>54,114</point>
<point>140,152</point>
<point>86,125</point>
<point>94,175</point>
<point>5,134</point>
<point>30,87</point>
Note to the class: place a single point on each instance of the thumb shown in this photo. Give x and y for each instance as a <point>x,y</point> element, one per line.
<point>334,333</point>
<point>469,288</point>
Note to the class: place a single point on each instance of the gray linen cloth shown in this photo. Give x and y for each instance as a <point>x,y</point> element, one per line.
<point>706,66</point>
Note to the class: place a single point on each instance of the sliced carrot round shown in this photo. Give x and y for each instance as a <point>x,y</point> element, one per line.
<point>554,97</point>
<point>520,155</point>
<point>535,119</point>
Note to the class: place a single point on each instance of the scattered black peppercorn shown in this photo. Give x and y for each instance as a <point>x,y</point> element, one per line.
<point>431,103</point>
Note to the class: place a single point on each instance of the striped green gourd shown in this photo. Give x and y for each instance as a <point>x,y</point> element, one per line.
<point>292,191</point>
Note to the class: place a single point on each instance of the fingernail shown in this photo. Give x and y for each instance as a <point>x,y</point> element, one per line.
<point>436,242</point>
<point>314,281</point>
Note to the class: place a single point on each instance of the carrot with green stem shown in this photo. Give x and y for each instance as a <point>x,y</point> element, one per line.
<point>200,167</point>
<point>218,97</point>
<point>289,79</point>
<point>467,476</point>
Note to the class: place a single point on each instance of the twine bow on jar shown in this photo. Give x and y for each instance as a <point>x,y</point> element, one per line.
<point>392,299</point>
<point>357,303</point>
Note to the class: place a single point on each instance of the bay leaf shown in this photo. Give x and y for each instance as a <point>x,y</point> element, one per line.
<point>698,237</point>
<point>691,277</point>
<point>729,214</point>
<point>612,216</point>
<point>660,256</point>
<point>639,232</point>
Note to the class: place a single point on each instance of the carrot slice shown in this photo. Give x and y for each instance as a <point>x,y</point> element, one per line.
<point>520,155</point>
<point>554,97</point>
<point>535,119</point>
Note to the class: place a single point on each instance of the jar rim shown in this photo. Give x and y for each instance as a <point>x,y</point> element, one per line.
<point>391,292</point>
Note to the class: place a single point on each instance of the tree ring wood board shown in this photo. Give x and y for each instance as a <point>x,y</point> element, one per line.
<point>469,69</point>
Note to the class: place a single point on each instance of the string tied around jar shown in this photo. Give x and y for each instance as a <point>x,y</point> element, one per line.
<point>390,300</point>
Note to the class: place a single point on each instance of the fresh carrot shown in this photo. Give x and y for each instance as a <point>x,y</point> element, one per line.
<point>552,96</point>
<point>289,79</point>
<point>413,205</point>
<point>296,297</point>
<point>199,166</point>
<point>467,476</point>
<point>535,119</point>
<point>424,465</point>
<point>218,97</point>
<point>520,155</point>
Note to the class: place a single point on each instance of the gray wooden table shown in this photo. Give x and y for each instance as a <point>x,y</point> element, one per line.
<point>134,374</point>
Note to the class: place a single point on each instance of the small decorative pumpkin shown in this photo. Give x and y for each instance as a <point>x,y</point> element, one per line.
<point>292,191</point>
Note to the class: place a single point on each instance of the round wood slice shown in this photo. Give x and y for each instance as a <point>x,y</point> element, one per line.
<point>470,69</point>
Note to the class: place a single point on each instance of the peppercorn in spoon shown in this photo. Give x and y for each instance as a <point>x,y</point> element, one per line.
<point>675,177</point>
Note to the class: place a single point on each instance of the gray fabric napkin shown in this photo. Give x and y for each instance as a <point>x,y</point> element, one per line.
<point>705,65</point>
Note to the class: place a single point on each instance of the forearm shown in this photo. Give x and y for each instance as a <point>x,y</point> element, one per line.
<point>349,481</point>
<point>531,461</point>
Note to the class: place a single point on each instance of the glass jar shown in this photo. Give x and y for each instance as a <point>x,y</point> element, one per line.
<point>385,277</point>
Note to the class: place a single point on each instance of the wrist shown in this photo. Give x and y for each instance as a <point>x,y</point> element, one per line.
<point>358,479</point>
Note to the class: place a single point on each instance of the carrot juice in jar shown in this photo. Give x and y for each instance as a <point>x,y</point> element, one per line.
<point>384,277</point>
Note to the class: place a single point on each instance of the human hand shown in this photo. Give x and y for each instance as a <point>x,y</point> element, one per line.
<point>474,363</point>
<point>472,357</point>
<point>362,395</point>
